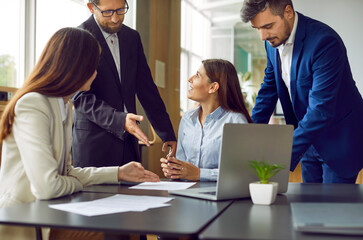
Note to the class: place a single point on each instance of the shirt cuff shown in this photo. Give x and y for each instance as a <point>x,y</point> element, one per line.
<point>209,174</point>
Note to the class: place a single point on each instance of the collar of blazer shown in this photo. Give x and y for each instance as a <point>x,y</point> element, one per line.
<point>61,132</point>
<point>298,46</point>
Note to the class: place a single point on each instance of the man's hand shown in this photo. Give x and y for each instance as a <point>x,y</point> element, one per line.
<point>172,145</point>
<point>132,128</point>
<point>135,172</point>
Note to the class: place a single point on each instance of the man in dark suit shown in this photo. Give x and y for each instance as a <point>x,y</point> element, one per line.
<point>105,131</point>
<point>308,70</point>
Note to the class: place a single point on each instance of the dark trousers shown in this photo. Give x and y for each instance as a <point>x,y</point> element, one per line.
<point>129,151</point>
<point>315,170</point>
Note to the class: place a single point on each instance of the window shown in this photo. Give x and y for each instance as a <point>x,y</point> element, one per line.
<point>27,26</point>
<point>68,13</point>
<point>195,45</point>
<point>10,42</point>
<point>51,15</point>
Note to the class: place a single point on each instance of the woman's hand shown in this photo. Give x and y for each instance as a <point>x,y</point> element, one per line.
<point>176,169</point>
<point>135,172</point>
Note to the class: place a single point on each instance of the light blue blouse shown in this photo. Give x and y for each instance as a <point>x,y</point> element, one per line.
<point>201,145</point>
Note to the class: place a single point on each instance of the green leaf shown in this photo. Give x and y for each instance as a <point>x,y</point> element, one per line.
<point>264,170</point>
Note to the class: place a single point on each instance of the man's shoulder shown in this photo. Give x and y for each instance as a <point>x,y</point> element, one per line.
<point>129,32</point>
<point>316,28</point>
<point>88,24</point>
<point>128,29</point>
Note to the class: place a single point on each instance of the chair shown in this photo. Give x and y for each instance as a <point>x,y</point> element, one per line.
<point>151,142</point>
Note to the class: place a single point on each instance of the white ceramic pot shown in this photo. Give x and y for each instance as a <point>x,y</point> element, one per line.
<point>263,194</point>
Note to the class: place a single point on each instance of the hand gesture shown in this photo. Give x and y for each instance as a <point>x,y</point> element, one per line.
<point>172,145</point>
<point>132,128</point>
<point>135,172</point>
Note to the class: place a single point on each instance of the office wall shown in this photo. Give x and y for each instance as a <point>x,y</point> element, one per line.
<point>158,22</point>
<point>346,18</point>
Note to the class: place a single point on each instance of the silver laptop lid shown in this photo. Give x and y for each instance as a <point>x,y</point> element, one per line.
<point>242,143</point>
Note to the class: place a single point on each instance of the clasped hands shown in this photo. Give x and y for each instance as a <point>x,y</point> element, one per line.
<point>176,169</point>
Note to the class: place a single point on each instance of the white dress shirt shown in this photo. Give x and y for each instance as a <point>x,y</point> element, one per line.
<point>285,51</point>
<point>113,45</point>
<point>112,42</point>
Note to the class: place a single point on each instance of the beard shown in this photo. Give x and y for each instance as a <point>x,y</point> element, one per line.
<point>107,28</point>
<point>111,30</point>
<point>277,42</point>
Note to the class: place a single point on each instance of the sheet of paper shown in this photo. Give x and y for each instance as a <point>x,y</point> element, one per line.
<point>163,185</point>
<point>114,204</point>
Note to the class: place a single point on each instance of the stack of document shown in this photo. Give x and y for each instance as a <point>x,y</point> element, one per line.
<point>114,204</point>
<point>333,218</point>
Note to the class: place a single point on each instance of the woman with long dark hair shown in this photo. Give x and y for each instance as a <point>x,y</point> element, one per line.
<point>36,129</point>
<point>216,88</point>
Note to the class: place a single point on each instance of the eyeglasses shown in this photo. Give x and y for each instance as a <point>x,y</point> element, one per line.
<point>109,13</point>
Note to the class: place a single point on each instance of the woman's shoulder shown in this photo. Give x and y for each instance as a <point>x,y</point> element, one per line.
<point>32,96</point>
<point>31,100</point>
<point>190,113</point>
<point>235,117</point>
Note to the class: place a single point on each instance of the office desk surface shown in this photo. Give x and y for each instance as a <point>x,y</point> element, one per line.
<point>185,216</point>
<point>243,220</point>
<point>123,188</point>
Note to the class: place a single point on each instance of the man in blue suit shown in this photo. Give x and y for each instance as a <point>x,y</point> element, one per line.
<point>308,70</point>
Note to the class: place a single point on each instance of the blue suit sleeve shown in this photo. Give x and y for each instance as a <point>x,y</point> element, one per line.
<point>267,96</point>
<point>328,63</point>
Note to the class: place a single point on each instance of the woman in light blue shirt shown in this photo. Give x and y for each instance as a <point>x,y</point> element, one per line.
<point>216,87</point>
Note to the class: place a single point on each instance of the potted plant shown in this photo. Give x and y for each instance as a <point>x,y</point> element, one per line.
<point>264,192</point>
<point>249,90</point>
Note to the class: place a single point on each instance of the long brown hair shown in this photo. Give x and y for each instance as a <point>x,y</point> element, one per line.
<point>68,60</point>
<point>229,92</point>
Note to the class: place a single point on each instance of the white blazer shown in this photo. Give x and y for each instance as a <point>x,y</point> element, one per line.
<point>32,152</point>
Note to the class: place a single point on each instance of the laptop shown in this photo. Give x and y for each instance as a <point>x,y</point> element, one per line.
<point>328,217</point>
<point>242,143</point>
